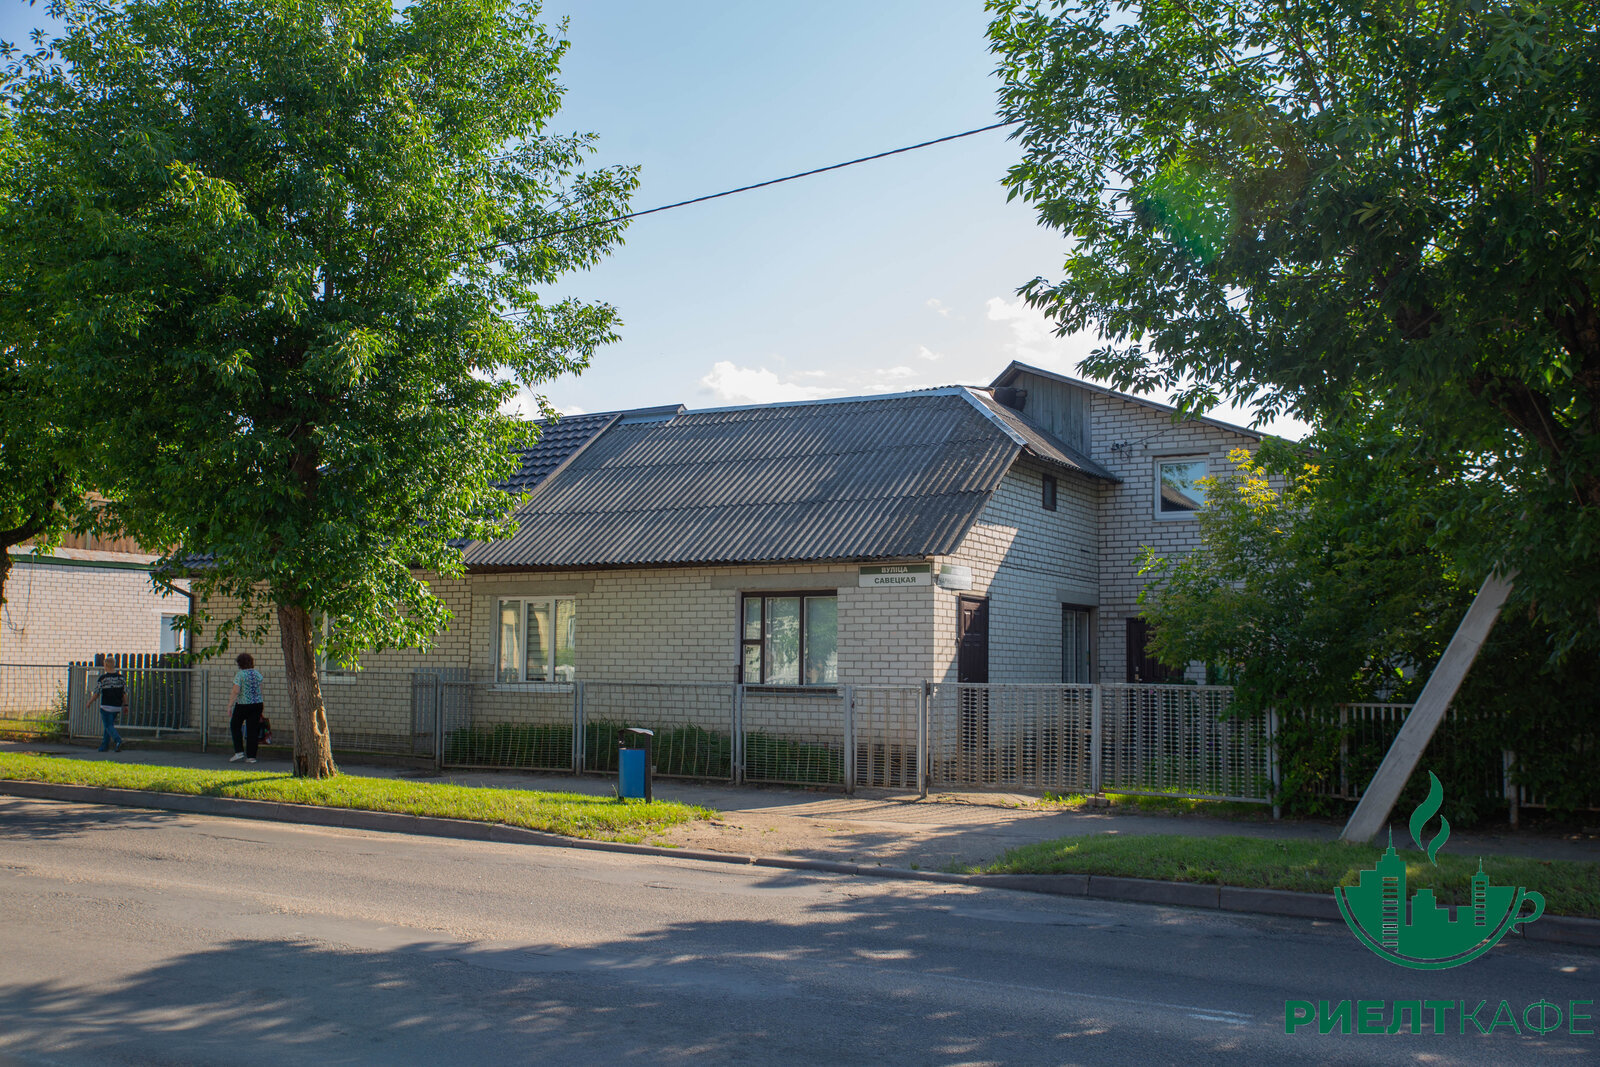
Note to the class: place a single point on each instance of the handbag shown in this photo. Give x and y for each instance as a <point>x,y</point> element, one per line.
<point>266,730</point>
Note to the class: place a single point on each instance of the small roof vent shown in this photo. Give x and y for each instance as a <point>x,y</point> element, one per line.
<point>664,413</point>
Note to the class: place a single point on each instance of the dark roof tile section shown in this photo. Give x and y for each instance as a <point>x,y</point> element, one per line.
<point>558,440</point>
<point>868,478</point>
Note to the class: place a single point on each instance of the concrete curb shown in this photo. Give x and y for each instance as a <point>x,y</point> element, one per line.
<point>1554,929</point>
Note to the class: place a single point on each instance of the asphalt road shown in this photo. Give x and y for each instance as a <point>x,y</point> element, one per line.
<point>140,937</point>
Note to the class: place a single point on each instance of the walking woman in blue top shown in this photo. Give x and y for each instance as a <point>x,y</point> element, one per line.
<point>245,701</point>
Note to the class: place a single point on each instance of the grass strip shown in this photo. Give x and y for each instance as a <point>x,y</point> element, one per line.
<point>1569,888</point>
<point>570,814</point>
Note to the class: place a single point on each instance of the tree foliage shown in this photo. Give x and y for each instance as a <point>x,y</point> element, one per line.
<point>41,482</point>
<point>1316,207</point>
<point>1317,583</point>
<point>291,254</point>
<point>1314,583</point>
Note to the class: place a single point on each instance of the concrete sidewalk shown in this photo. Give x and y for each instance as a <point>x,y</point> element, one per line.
<point>874,827</point>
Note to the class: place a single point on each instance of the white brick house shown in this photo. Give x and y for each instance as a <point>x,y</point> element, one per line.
<point>77,601</point>
<point>1136,440</point>
<point>739,544</point>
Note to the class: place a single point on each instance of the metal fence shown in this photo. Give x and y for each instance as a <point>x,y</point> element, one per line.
<point>1366,730</point>
<point>33,700</point>
<point>1025,737</point>
<point>888,736</point>
<point>160,702</point>
<point>1180,739</point>
<point>1177,740</point>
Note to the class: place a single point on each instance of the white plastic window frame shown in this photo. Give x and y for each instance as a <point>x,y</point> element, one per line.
<point>329,672</point>
<point>166,629</point>
<point>1167,461</point>
<point>522,681</point>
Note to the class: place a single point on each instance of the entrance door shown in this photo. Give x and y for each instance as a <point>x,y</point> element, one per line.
<point>972,629</point>
<point>972,666</point>
<point>1075,668</point>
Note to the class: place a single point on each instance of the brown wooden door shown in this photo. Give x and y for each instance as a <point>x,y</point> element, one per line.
<point>972,630</point>
<point>975,764</point>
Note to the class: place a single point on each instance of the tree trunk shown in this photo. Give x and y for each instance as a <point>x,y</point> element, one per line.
<point>313,749</point>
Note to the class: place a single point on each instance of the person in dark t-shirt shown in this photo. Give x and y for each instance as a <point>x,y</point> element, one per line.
<point>111,693</point>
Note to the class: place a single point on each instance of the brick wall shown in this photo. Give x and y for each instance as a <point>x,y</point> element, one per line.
<point>56,612</point>
<point>665,625</point>
<point>1129,439</point>
<point>1028,562</point>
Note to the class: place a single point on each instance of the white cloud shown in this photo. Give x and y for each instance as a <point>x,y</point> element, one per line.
<point>524,404</point>
<point>924,352</point>
<point>1033,338</point>
<point>938,305</point>
<point>1028,324</point>
<point>733,384</point>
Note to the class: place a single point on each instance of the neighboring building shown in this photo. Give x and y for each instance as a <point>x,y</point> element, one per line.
<point>87,596</point>
<point>947,534</point>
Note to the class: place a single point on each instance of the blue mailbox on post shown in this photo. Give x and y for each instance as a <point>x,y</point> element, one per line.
<point>635,770</point>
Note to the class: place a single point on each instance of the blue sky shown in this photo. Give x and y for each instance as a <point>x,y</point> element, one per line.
<point>896,274</point>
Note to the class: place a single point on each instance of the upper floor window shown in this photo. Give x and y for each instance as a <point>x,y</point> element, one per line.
<point>790,639</point>
<point>1049,497</point>
<point>1179,494</point>
<point>537,640</point>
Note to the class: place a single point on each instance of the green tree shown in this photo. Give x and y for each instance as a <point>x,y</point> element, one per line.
<point>1315,206</point>
<point>41,485</point>
<point>1314,582</point>
<point>1317,582</point>
<point>292,254</point>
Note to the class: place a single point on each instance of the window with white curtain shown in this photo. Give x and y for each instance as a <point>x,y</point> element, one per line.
<point>536,639</point>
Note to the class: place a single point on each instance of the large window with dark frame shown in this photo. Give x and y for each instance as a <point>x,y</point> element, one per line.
<point>790,638</point>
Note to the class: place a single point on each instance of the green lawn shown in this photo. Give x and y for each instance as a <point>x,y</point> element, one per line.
<point>1306,866</point>
<point>571,814</point>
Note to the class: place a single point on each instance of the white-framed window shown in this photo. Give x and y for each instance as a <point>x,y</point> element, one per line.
<point>790,638</point>
<point>536,639</point>
<point>328,669</point>
<point>1179,494</point>
<point>171,636</point>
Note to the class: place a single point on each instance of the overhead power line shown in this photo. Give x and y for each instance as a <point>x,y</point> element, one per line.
<point>747,188</point>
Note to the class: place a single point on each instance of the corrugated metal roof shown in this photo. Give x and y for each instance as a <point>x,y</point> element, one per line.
<point>866,478</point>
